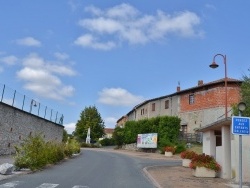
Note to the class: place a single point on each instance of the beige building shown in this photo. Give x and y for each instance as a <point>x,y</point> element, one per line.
<point>197,106</point>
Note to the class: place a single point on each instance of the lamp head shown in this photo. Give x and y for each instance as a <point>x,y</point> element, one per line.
<point>242,106</point>
<point>213,65</point>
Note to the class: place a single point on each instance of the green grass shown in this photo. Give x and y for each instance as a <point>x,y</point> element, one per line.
<point>197,148</point>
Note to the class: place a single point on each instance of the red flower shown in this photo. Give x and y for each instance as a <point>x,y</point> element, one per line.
<point>170,149</point>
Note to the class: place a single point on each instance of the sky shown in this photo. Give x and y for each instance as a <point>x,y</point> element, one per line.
<point>73,54</point>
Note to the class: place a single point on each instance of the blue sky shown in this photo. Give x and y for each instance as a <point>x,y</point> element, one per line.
<point>71,54</point>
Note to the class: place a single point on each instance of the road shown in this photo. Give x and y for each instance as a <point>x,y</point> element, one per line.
<point>91,169</point>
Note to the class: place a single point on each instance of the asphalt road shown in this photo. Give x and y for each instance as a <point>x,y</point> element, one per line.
<point>91,169</point>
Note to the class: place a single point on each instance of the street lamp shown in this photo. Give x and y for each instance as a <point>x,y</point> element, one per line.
<point>32,103</point>
<point>215,65</point>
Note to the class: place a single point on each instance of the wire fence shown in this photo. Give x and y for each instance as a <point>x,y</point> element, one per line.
<point>13,98</point>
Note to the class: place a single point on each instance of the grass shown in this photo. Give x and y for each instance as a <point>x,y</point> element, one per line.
<point>197,148</point>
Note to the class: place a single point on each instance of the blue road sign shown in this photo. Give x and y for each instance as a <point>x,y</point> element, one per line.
<point>240,125</point>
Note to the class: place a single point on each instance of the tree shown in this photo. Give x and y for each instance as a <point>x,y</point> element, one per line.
<point>245,94</point>
<point>65,136</point>
<point>90,118</point>
<point>118,136</point>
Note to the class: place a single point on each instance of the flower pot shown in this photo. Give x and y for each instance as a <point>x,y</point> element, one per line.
<point>186,162</point>
<point>204,172</point>
<point>168,154</point>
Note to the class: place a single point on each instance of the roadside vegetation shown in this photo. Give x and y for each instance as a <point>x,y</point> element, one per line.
<point>34,153</point>
<point>167,128</point>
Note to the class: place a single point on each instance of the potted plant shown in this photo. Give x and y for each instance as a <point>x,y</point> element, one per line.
<point>169,151</point>
<point>187,156</point>
<point>204,166</point>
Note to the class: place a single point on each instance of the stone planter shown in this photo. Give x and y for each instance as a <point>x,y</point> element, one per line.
<point>204,172</point>
<point>168,154</point>
<point>186,162</point>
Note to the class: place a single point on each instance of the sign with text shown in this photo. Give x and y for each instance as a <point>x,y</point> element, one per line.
<point>147,140</point>
<point>240,125</point>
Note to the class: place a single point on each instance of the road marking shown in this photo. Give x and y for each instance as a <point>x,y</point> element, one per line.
<point>10,184</point>
<point>48,185</point>
<point>14,184</point>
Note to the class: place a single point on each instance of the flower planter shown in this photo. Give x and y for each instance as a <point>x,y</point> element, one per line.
<point>186,162</point>
<point>168,154</point>
<point>204,172</point>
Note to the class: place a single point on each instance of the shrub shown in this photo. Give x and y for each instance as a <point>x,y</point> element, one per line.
<point>188,154</point>
<point>107,142</point>
<point>31,154</point>
<point>180,147</point>
<point>206,161</point>
<point>34,153</point>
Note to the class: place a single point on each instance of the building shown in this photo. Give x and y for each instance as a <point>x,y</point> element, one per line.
<point>108,132</point>
<point>197,106</point>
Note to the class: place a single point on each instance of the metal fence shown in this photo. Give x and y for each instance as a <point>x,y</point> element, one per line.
<point>22,102</point>
<point>191,137</point>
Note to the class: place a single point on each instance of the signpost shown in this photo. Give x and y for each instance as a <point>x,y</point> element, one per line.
<point>240,126</point>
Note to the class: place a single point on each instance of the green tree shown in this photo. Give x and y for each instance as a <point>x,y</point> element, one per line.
<point>90,118</point>
<point>245,94</point>
<point>65,136</point>
<point>118,136</point>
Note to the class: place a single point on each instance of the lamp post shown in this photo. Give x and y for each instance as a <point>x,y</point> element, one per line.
<point>215,65</point>
<point>32,103</point>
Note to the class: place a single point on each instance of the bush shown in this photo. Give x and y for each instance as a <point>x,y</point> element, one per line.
<point>34,153</point>
<point>107,142</point>
<point>31,154</point>
<point>180,148</point>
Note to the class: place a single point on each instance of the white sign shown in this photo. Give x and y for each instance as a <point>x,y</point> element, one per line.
<point>147,140</point>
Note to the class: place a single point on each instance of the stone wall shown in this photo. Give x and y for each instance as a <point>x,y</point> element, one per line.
<point>16,125</point>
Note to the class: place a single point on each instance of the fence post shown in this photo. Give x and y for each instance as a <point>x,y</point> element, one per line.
<point>45,112</point>
<point>14,98</point>
<point>56,117</point>
<point>23,101</point>
<point>3,92</point>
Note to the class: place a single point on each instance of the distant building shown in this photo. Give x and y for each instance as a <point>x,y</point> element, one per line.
<point>108,132</point>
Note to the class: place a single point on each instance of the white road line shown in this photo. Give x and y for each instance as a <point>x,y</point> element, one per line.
<point>12,184</point>
<point>80,186</point>
<point>48,185</point>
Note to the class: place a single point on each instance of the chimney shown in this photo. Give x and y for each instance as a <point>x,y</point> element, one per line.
<point>178,88</point>
<point>200,82</point>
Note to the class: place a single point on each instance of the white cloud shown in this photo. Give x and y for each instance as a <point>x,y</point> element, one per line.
<point>70,127</point>
<point>29,41</point>
<point>118,97</point>
<point>89,41</point>
<point>61,56</point>
<point>9,60</point>
<point>124,23</point>
<point>42,77</point>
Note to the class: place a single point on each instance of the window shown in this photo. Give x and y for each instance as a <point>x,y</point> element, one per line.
<point>167,104</point>
<point>191,99</point>
<point>153,106</point>
<point>142,111</point>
